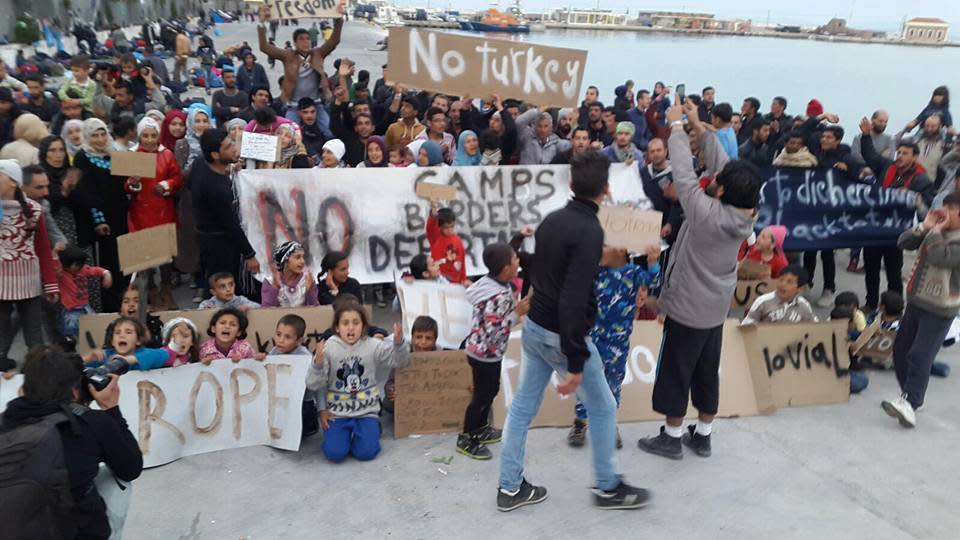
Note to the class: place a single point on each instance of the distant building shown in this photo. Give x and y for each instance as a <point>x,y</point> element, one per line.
<point>838,27</point>
<point>925,30</point>
<point>589,16</point>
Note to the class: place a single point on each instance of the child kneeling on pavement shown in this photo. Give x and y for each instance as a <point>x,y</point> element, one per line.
<point>344,373</point>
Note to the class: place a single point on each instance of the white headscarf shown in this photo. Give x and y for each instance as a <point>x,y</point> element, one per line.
<point>147,123</point>
<point>72,149</point>
<point>90,126</point>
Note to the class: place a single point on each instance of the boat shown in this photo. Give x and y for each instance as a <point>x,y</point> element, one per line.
<point>495,21</point>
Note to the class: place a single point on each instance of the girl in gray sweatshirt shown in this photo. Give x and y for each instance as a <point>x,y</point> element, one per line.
<point>344,376</point>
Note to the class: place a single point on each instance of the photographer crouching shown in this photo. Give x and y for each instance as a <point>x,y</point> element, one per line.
<point>52,444</point>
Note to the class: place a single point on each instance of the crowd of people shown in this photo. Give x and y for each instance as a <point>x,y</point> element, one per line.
<point>698,161</point>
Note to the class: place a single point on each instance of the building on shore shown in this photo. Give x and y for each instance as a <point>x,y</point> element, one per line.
<point>925,30</point>
<point>588,17</point>
<point>838,27</point>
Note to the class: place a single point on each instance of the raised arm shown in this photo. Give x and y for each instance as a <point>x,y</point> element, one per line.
<point>329,45</point>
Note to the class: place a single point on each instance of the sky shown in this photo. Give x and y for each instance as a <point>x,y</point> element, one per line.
<point>885,15</point>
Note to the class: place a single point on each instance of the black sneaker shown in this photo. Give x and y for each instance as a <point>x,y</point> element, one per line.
<point>490,435</point>
<point>619,440</point>
<point>578,434</point>
<point>527,494</point>
<point>696,442</point>
<point>470,445</point>
<point>662,445</point>
<point>622,497</point>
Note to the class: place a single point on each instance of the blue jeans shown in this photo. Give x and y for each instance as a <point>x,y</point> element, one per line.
<point>71,319</point>
<point>359,437</point>
<point>541,358</point>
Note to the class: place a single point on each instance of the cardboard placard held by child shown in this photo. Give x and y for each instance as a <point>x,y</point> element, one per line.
<point>629,228</point>
<point>147,248</point>
<point>432,393</point>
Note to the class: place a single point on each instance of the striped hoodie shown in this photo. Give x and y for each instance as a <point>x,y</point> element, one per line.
<point>27,266</point>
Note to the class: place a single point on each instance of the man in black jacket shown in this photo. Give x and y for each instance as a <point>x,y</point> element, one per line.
<point>220,238</point>
<point>51,385</point>
<point>569,243</point>
<point>904,172</point>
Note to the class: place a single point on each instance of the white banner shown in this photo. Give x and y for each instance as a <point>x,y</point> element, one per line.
<point>375,215</point>
<point>446,303</point>
<point>193,409</point>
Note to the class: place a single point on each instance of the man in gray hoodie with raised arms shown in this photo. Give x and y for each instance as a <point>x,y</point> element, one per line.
<point>698,283</point>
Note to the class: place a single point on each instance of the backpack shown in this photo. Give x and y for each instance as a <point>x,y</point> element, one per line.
<point>34,483</point>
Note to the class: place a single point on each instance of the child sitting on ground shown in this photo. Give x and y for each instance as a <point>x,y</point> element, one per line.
<point>291,286</point>
<point>768,249</point>
<point>344,370</point>
<point>228,332</point>
<point>182,342</point>
<point>124,337</point>
<point>445,245</point>
<point>851,300</point>
<point>74,287</point>
<point>784,305</point>
<point>615,288</point>
<point>423,338</point>
<point>288,339</point>
<point>223,288</point>
<point>858,379</point>
<point>495,312</point>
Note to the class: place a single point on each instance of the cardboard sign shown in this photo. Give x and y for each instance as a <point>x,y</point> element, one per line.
<point>636,395</point>
<point>333,210</point>
<point>880,345</point>
<point>436,192</point>
<point>147,248</point>
<point>864,337</point>
<point>142,164</point>
<point>260,330</point>
<point>748,291</point>
<point>259,147</point>
<point>466,65</point>
<point>798,364</point>
<point>432,393</point>
<point>629,228</point>
<point>750,269</point>
<point>446,303</point>
<point>193,409</point>
<point>303,9</point>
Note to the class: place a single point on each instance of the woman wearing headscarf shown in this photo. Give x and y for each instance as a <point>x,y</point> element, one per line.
<point>412,151</point>
<point>431,155</point>
<point>188,148</point>
<point>152,203</point>
<point>468,149</point>
<point>63,179</point>
<point>102,206</point>
<point>28,131</point>
<point>293,155</point>
<point>235,127</point>
<point>27,267</point>
<point>173,128</point>
<point>331,155</point>
<point>376,153</point>
<point>72,135</point>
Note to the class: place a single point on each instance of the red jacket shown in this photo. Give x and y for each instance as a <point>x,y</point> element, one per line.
<point>440,246</point>
<point>147,209</point>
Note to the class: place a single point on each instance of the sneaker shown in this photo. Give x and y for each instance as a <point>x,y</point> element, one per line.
<point>940,369</point>
<point>696,442</point>
<point>826,299</point>
<point>901,409</point>
<point>490,435</point>
<point>578,434</point>
<point>470,446</point>
<point>662,445</point>
<point>622,497</point>
<point>527,494</point>
<point>619,440</point>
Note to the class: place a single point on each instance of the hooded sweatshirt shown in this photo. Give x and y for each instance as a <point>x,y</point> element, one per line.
<point>701,275</point>
<point>934,284</point>
<point>347,378</point>
<point>494,316</point>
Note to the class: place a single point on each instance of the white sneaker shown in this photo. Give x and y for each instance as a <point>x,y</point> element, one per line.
<point>826,299</point>
<point>901,409</point>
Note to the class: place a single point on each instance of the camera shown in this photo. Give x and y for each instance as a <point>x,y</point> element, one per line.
<point>99,377</point>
